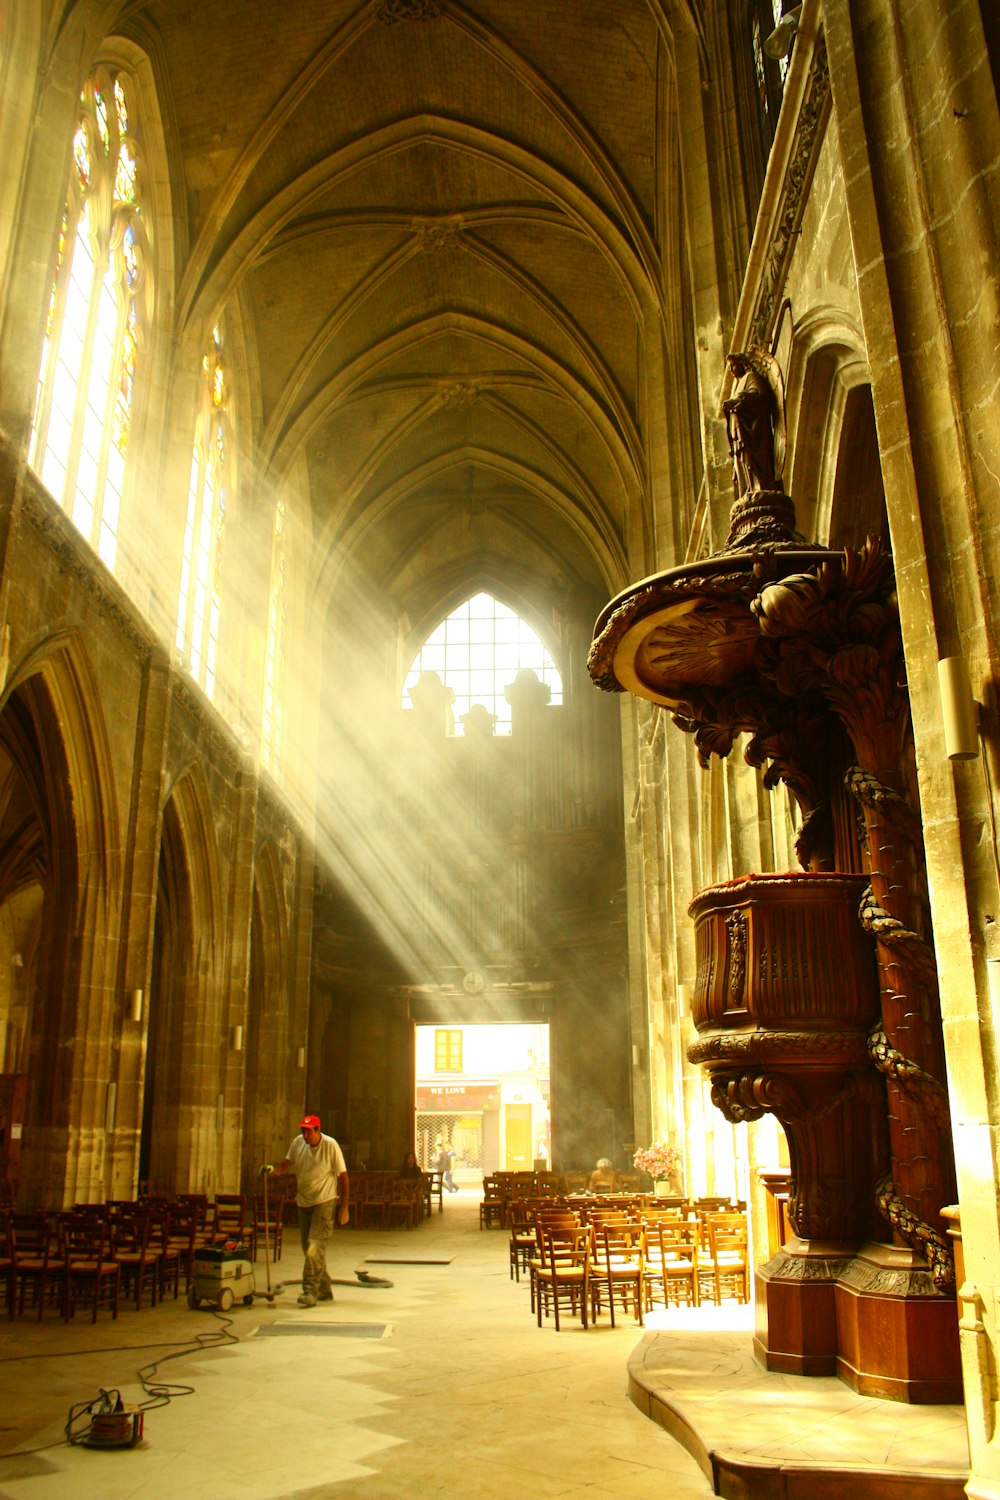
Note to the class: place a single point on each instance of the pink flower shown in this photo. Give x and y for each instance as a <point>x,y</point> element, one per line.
<point>659,1160</point>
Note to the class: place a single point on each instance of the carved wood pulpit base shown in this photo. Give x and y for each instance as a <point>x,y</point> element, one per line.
<point>874,1318</point>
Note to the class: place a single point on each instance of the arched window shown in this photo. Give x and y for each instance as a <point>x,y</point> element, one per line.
<point>84,399</point>
<point>760,81</point>
<point>198,607</point>
<point>478,651</point>
<point>769,72</point>
<point>273,711</point>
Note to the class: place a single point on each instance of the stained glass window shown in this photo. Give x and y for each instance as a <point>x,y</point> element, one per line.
<point>199,608</point>
<point>769,72</point>
<point>86,383</point>
<point>477,652</point>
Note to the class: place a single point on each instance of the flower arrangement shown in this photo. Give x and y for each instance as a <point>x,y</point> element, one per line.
<point>659,1160</point>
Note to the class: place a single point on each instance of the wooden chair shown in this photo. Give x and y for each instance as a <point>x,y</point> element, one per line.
<point>196,1204</point>
<point>90,1261</point>
<point>523,1238</point>
<point>232,1224</point>
<point>597,1214</point>
<point>544,1219</point>
<point>653,1213</point>
<point>39,1262</point>
<point>376,1197</point>
<point>170,1253</point>
<point>138,1255</point>
<point>618,1267</point>
<point>491,1210</point>
<point>671,1263</point>
<point>405,1203</point>
<point>702,1208</point>
<point>726,1269</point>
<point>434,1190</point>
<point>548,1183</point>
<point>183,1235</point>
<point>563,1275</point>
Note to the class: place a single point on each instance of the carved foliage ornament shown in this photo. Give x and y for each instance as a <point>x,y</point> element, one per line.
<point>736,925</point>
<point>805,150</point>
<point>846,1049</point>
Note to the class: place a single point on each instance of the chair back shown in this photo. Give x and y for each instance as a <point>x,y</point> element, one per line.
<point>597,1214</point>
<point>230,1215</point>
<point>618,1243</point>
<point>131,1233</point>
<point>85,1237</point>
<point>196,1203</point>
<point>727,1232</point>
<point>670,1243</point>
<point>654,1214</point>
<point>35,1236</point>
<point>565,1246</point>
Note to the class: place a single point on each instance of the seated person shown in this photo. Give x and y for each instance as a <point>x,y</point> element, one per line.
<point>410,1167</point>
<point>603,1179</point>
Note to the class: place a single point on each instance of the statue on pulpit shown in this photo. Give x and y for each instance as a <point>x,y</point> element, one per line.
<point>755,423</point>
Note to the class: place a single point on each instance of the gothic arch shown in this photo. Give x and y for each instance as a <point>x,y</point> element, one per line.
<point>186,1045</point>
<point>62,843</point>
<point>825,364</point>
<point>454,589</point>
<point>270,1046</point>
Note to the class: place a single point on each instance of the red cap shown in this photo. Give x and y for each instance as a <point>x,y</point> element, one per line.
<point>310,1122</point>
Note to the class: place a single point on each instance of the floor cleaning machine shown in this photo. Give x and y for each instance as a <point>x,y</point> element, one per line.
<point>223,1274</point>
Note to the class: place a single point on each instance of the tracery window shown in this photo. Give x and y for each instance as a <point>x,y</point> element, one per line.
<point>477,651</point>
<point>769,72</point>
<point>209,493</point>
<point>84,400</point>
<point>273,712</point>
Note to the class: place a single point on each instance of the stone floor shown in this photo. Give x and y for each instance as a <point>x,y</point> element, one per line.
<point>440,1384</point>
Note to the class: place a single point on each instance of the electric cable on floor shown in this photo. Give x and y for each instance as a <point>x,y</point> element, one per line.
<point>163,1394</point>
<point>159,1395</point>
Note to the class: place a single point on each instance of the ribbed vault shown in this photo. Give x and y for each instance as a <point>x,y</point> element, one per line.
<point>441,227</point>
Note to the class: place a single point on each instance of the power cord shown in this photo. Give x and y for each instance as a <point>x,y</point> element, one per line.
<point>107,1414</point>
<point>163,1394</point>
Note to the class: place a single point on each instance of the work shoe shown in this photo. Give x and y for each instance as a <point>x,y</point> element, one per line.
<point>307,1300</point>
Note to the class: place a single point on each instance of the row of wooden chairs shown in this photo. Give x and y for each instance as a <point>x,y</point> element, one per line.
<point>385,1200</point>
<point>138,1248</point>
<point>61,1259</point>
<point>500,1189</point>
<point>228,1219</point>
<point>610,1254</point>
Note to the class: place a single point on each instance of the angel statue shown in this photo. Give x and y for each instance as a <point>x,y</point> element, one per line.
<point>755,422</point>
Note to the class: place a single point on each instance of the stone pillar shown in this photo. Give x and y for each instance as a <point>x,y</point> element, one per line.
<point>139,902</point>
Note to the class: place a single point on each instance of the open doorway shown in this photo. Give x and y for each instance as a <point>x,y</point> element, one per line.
<point>484,1092</point>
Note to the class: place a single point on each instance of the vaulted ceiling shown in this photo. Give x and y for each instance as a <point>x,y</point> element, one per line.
<point>438,223</point>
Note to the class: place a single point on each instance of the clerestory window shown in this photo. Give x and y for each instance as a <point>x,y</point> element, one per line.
<point>209,494</point>
<point>85,395</point>
<point>769,72</point>
<point>477,651</point>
